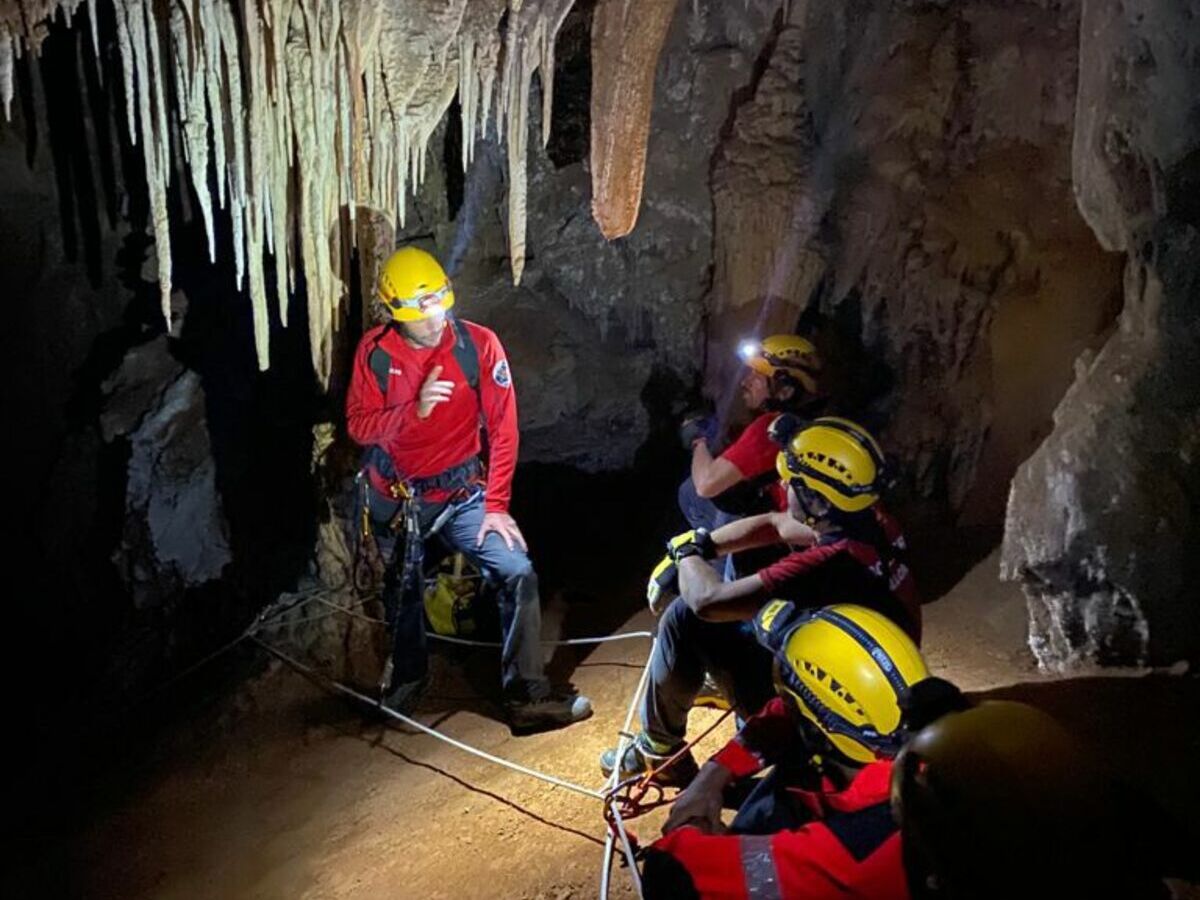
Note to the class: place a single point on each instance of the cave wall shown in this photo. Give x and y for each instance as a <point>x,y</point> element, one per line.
<point>595,326</point>
<point>137,478</point>
<point>1104,518</point>
<point>899,184</point>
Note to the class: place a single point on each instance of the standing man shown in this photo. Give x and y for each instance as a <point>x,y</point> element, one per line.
<point>423,388</point>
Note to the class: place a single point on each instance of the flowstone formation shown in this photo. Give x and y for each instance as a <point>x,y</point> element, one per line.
<point>297,117</point>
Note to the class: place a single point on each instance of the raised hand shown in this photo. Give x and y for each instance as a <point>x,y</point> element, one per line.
<point>433,391</point>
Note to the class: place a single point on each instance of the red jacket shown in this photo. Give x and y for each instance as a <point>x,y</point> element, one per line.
<point>850,851</point>
<point>421,448</point>
<point>753,454</point>
<point>849,568</point>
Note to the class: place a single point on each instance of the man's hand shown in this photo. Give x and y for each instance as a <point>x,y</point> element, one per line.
<point>432,393</point>
<point>663,586</point>
<point>699,804</point>
<point>697,428</point>
<point>505,526</point>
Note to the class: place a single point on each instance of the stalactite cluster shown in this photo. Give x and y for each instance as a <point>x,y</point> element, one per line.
<point>299,116</point>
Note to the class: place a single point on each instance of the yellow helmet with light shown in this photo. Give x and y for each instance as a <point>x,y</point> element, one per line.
<point>847,670</point>
<point>786,355</point>
<point>837,459</point>
<point>414,286</point>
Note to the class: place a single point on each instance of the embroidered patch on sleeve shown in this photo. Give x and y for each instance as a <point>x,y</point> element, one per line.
<point>500,374</point>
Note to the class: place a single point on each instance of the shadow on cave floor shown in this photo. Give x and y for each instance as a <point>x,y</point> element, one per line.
<point>1145,728</point>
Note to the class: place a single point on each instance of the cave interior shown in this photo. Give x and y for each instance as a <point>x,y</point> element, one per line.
<point>985,215</point>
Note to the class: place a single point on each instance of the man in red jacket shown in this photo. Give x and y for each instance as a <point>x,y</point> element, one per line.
<point>819,826</point>
<point>421,387</point>
<point>781,376</point>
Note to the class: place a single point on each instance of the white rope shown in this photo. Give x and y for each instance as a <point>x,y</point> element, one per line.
<point>433,635</point>
<point>432,732</point>
<point>624,738</point>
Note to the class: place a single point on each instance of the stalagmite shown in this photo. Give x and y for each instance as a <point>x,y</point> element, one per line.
<point>309,111</point>
<point>627,37</point>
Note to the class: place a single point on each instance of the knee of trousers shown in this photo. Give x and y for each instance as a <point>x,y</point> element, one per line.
<point>677,622</point>
<point>513,569</point>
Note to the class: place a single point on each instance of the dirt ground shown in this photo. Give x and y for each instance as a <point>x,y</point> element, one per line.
<point>290,792</point>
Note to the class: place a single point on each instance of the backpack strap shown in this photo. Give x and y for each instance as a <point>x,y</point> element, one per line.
<point>380,362</point>
<point>467,356</point>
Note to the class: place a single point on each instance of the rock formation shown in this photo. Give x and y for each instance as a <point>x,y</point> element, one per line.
<point>1104,518</point>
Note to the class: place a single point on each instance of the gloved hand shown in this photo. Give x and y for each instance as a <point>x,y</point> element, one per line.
<point>783,428</point>
<point>663,586</point>
<point>697,542</point>
<point>695,427</point>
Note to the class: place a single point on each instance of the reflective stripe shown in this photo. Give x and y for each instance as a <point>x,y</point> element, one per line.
<point>758,865</point>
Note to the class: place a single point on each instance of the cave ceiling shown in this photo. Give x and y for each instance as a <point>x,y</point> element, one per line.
<point>309,114</point>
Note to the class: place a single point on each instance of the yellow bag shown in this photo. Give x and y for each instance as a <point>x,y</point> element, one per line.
<point>449,595</point>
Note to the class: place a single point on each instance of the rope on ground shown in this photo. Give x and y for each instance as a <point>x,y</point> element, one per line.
<point>316,676</point>
<point>267,616</point>
<point>465,642</point>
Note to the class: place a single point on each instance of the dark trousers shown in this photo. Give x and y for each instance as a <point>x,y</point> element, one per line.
<point>687,648</point>
<point>516,589</point>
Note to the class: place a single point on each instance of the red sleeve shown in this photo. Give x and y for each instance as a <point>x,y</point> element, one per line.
<point>500,412</point>
<point>753,453</point>
<point>797,564</point>
<point>763,739</point>
<point>368,417</point>
<point>806,863</point>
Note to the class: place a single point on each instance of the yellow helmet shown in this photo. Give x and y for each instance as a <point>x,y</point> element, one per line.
<point>847,669</point>
<point>836,458</point>
<point>413,285</point>
<point>786,354</point>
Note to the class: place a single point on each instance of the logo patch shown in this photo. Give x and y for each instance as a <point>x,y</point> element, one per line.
<point>501,375</point>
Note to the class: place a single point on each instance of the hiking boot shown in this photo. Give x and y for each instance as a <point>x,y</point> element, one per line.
<point>554,710</point>
<point>404,697</point>
<point>711,696</point>
<point>644,755</point>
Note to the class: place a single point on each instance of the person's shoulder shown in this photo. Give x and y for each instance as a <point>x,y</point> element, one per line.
<point>481,334</point>
<point>371,336</point>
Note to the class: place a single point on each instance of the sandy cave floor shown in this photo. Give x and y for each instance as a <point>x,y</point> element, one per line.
<point>294,794</point>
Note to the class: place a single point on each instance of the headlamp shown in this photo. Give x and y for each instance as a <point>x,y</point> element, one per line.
<point>748,349</point>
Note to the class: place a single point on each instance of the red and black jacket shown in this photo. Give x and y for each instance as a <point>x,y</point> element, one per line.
<point>851,849</point>
<point>865,565</point>
<point>450,436</point>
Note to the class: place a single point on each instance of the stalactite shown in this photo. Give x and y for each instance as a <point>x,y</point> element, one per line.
<point>530,27</point>
<point>308,112</point>
<point>6,73</point>
<point>627,37</point>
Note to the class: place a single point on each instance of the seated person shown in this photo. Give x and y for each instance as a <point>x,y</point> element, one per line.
<point>781,376</point>
<point>819,824</point>
<point>849,547</point>
<point>983,802</point>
